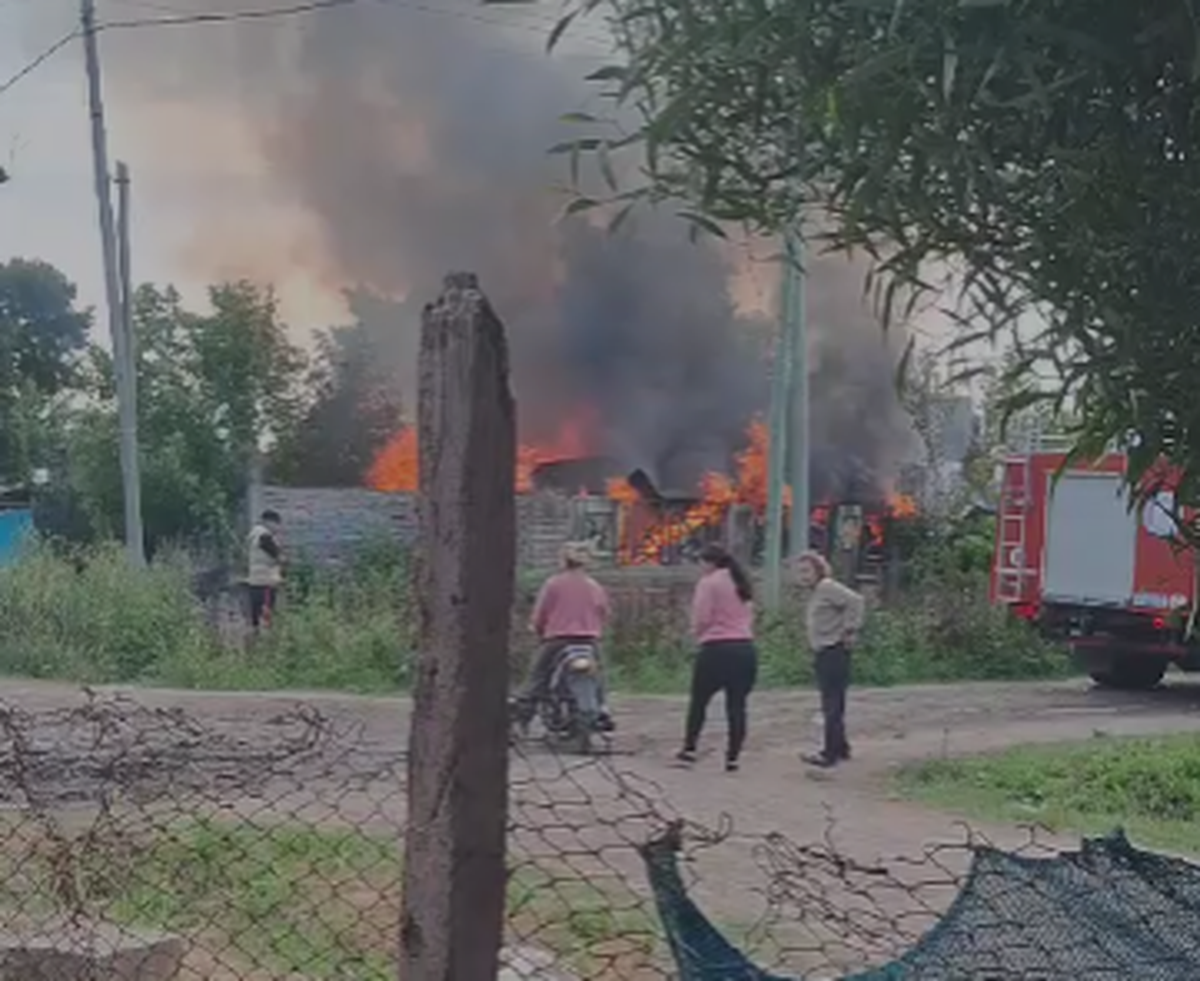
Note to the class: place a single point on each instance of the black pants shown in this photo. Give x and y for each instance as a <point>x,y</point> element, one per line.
<point>730,666</point>
<point>833,678</point>
<point>262,603</point>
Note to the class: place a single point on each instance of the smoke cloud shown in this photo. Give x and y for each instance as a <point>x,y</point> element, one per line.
<point>411,141</point>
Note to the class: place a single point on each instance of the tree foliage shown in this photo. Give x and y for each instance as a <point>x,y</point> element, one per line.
<point>212,388</point>
<point>1045,153</point>
<point>353,408</point>
<point>42,335</point>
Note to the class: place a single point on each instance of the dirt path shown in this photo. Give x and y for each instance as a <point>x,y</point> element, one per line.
<point>774,791</point>
<point>595,812</point>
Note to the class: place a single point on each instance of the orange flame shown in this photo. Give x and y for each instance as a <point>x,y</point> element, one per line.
<point>645,535</point>
<point>902,506</point>
<point>718,493</point>
<point>397,467</point>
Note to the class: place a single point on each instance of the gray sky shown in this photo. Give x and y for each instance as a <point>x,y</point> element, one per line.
<point>186,194</point>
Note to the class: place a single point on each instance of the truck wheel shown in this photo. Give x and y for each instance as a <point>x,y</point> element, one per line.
<point>1135,673</point>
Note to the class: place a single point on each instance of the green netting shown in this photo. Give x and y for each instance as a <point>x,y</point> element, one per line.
<point>1108,911</point>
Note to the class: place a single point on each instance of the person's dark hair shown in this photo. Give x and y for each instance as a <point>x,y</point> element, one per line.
<point>715,554</point>
<point>271,517</point>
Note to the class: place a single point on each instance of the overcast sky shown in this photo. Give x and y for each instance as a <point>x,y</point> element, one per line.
<point>48,210</point>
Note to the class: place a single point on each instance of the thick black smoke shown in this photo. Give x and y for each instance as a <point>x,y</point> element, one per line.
<point>415,137</point>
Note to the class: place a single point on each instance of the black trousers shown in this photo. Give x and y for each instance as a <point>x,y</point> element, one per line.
<point>262,603</point>
<point>833,678</point>
<point>730,666</point>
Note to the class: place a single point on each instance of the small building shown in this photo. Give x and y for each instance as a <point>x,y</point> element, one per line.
<point>16,521</point>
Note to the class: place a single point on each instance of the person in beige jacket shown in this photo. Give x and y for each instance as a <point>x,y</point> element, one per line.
<point>834,617</point>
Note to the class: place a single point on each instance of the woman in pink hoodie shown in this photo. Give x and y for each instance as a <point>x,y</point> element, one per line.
<point>723,626</point>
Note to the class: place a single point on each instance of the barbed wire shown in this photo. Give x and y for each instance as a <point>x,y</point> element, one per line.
<point>266,846</point>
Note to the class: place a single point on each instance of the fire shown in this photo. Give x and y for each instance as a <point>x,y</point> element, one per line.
<point>396,468</point>
<point>646,534</point>
<point>902,506</point>
<point>570,443</point>
<point>718,493</point>
<point>620,490</point>
<point>752,467</point>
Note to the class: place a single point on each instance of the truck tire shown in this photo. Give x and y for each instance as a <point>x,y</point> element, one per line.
<point>1131,673</point>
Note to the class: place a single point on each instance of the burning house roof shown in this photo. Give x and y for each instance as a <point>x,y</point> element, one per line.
<point>658,522</point>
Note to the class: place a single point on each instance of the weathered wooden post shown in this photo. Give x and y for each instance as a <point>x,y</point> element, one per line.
<point>454,863</point>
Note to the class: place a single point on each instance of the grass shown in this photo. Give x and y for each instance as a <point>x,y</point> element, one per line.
<point>321,904</point>
<point>1150,787</point>
<point>91,618</point>
<point>930,636</point>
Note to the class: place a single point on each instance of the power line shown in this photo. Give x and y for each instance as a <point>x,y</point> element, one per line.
<point>37,62</point>
<point>267,13</point>
<point>312,6</point>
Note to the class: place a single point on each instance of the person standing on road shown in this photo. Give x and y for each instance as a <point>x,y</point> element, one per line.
<point>265,574</point>
<point>723,626</point>
<point>834,617</point>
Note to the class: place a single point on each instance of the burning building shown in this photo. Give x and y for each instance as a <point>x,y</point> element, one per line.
<point>652,525</point>
<point>372,147</point>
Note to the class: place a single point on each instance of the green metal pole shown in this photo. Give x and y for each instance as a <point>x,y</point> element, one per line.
<point>796,324</point>
<point>781,385</point>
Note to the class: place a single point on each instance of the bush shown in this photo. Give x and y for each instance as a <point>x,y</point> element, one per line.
<point>948,635</point>
<point>88,616</point>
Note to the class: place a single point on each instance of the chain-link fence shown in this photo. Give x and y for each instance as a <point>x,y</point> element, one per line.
<point>141,839</point>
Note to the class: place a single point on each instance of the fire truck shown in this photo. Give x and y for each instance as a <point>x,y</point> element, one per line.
<point>1075,559</point>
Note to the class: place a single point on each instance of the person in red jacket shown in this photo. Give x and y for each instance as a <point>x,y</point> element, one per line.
<point>571,608</point>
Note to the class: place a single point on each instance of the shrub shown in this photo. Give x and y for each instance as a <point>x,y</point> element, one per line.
<point>88,616</point>
<point>91,617</point>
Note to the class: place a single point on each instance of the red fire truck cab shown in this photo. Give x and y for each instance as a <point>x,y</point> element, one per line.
<point>1073,558</point>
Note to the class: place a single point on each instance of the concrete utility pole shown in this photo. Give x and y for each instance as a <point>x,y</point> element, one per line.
<point>123,363</point>
<point>795,318</point>
<point>777,455</point>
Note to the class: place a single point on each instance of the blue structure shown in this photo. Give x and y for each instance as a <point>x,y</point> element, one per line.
<point>16,526</point>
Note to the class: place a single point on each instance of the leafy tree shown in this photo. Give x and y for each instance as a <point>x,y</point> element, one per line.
<point>211,389</point>
<point>42,335</point>
<point>354,408</point>
<point>1044,153</point>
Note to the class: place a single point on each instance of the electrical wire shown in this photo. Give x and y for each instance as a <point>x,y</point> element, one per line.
<point>312,6</point>
<point>37,62</point>
<point>267,13</point>
<point>219,17</point>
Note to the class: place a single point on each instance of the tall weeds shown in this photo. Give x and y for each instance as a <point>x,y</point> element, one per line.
<point>89,617</point>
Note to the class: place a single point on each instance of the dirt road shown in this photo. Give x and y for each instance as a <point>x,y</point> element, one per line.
<point>774,792</point>
<point>592,812</point>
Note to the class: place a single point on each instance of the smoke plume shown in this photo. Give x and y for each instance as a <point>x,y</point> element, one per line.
<point>411,141</point>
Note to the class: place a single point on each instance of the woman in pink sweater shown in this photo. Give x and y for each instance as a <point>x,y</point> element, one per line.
<point>723,626</point>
